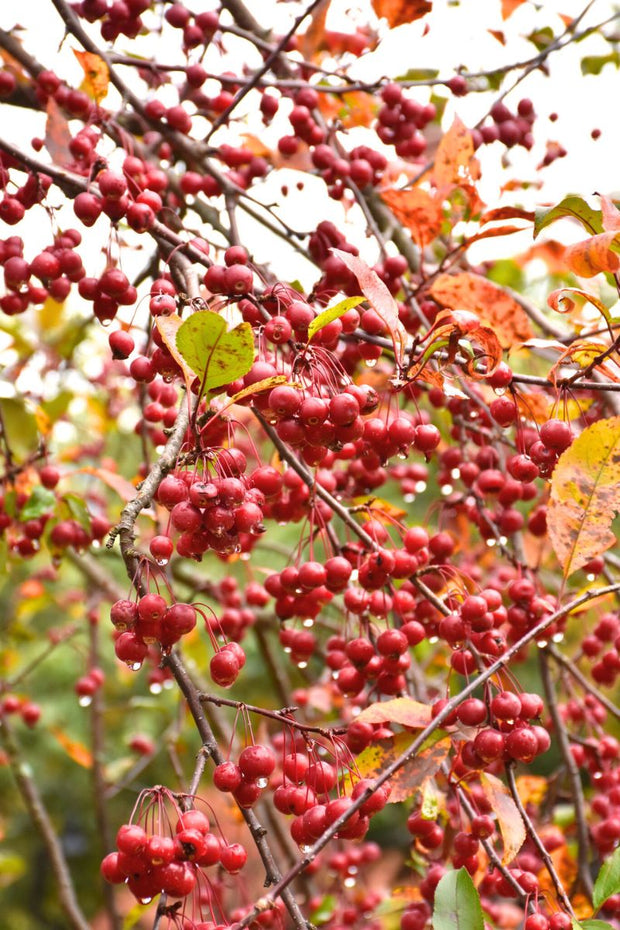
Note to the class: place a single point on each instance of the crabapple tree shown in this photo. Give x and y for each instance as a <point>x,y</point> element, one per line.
<point>309,473</point>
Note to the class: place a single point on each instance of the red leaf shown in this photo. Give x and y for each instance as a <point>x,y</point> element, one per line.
<point>57,135</point>
<point>496,308</point>
<point>378,295</point>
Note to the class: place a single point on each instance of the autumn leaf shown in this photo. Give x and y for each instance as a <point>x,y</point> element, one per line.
<point>116,482</point>
<point>570,206</point>
<point>313,39</point>
<point>405,711</point>
<point>509,6</point>
<point>168,327</point>
<point>585,495</point>
<point>417,211</point>
<point>496,308</point>
<point>410,777</point>
<point>399,12</point>
<point>379,297</point>
<point>455,165</point>
<point>57,135</point>
<point>74,749</point>
<point>573,300</point>
<point>532,788</point>
<point>96,75</point>
<point>509,819</point>
<point>589,258</point>
<point>331,314</point>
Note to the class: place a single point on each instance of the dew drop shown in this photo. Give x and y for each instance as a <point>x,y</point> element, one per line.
<point>262,782</point>
<point>409,498</point>
<point>591,577</point>
<point>162,561</point>
<point>349,881</point>
<point>305,849</point>
<point>371,362</point>
<point>420,487</point>
<point>155,688</point>
<point>134,666</point>
<point>287,650</point>
<point>491,543</point>
<point>541,643</point>
<point>303,664</point>
<point>85,700</point>
<point>455,473</point>
<point>446,489</point>
<point>308,622</point>
<point>355,574</point>
<point>401,455</point>
<point>557,638</point>
<point>433,639</point>
<point>145,900</point>
<point>499,391</point>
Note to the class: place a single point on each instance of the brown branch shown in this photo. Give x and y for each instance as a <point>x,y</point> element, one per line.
<point>41,820</point>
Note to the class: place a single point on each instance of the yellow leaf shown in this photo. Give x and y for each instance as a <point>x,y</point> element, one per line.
<point>585,495</point>
<point>74,749</point>
<point>411,776</point>
<point>509,819</point>
<point>532,788</point>
<point>96,75</point>
<point>379,509</point>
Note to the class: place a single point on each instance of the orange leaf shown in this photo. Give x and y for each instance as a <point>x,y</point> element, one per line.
<point>532,788</point>
<point>468,291</point>
<point>410,777</point>
<point>594,255</point>
<point>405,711</point>
<point>507,213</point>
<point>509,6</point>
<point>510,822</point>
<point>123,488</point>
<point>419,212</point>
<point>550,252</point>
<point>313,39</point>
<point>610,213</point>
<point>168,327</point>
<point>57,135</point>
<point>398,12</point>
<point>96,75</point>
<point>455,153</point>
<point>74,749</point>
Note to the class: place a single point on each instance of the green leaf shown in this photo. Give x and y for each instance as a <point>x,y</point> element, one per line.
<point>608,880</point>
<point>457,904</point>
<point>215,354</point>
<point>541,38</point>
<point>594,64</point>
<point>324,911</point>
<point>418,74</point>
<point>40,501</point>
<point>12,867</point>
<point>571,205</point>
<point>332,313</point>
<point>591,925</point>
<point>20,426</point>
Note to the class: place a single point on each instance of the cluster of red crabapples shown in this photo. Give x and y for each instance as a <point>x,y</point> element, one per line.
<point>167,849</point>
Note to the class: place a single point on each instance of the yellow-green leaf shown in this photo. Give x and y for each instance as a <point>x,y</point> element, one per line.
<point>585,495</point>
<point>215,354</point>
<point>509,819</point>
<point>332,313</point>
<point>96,75</point>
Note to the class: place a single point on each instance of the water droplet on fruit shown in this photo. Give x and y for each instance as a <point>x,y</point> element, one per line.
<point>355,575</point>
<point>420,486</point>
<point>262,782</point>
<point>155,688</point>
<point>303,664</point>
<point>499,391</point>
<point>541,643</point>
<point>371,362</point>
<point>145,900</point>
<point>85,700</point>
<point>503,540</point>
<point>455,473</point>
<point>401,455</point>
<point>305,849</point>
<point>409,498</point>
<point>308,622</point>
<point>558,638</point>
<point>287,650</point>
<point>591,577</point>
<point>106,323</point>
<point>162,561</point>
<point>491,543</point>
<point>134,666</point>
<point>349,882</point>
<point>433,639</point>
<point>446,489</point>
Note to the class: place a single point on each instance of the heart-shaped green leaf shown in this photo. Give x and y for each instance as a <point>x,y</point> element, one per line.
<point>215,354</point>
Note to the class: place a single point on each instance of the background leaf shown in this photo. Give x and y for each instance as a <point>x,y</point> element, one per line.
<point>585,495</point>
<point>406,711</point>
<point>398,12</point>
<point>608,880</point>
<point>508,817</point>
<point>457,903</point>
